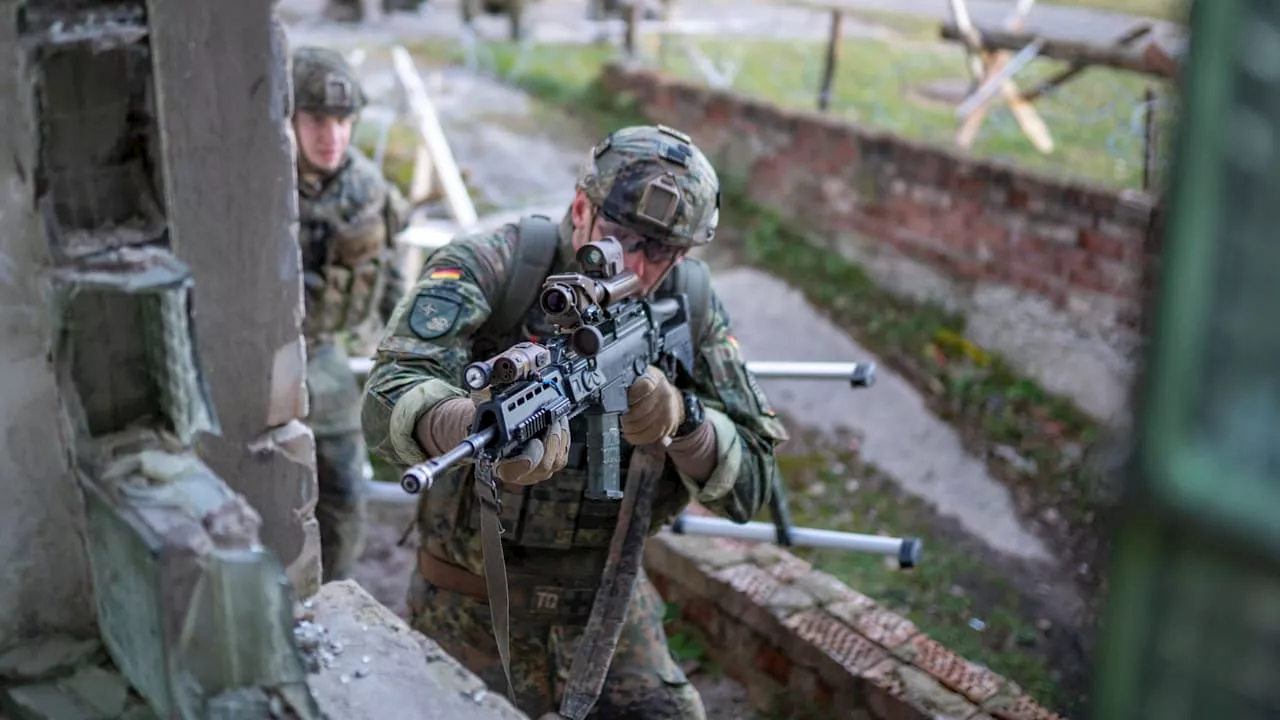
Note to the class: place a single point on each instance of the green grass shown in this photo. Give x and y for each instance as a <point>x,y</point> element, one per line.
<point>877,84</point>
<point>952,588</point>
<point>1093,121</point>
<point>1173,10</point>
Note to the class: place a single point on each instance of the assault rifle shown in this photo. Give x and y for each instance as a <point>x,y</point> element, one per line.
<point>606,339</point>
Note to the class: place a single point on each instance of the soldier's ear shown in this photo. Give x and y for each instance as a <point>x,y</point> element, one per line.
<point>580,211</point>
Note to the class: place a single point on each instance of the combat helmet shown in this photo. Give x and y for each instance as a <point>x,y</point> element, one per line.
<point>653,179</point>
<point>325,83</point>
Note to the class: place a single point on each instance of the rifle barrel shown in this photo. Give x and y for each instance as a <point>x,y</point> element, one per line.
<point>421,476</point>
<point>907,550</point>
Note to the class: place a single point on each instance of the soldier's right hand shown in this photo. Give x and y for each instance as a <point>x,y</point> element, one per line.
<point>446,424</point>
<point>540,459</point>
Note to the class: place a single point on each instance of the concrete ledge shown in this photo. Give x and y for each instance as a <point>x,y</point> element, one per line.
<point>371,665</point>
<point>787,631</point>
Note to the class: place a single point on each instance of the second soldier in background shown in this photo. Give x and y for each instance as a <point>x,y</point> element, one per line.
<point>348,215</point>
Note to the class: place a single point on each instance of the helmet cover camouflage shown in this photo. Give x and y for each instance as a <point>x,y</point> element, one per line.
<point>324,82</point>
<point>653,179</point>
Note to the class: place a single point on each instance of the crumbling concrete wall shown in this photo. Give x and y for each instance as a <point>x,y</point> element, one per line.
<point>106,397</point>
<point>232,208</point>
<point>135,130</point>
<point>46,586</point>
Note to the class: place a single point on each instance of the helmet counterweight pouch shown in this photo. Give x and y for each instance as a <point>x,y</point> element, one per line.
<point>659,202</point>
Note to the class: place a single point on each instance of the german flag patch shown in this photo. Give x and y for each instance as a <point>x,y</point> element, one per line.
<point>445,274</point>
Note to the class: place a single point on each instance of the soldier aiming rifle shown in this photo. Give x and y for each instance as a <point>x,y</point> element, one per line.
<point>560,359</point>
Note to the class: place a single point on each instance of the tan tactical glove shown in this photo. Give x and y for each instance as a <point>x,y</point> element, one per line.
<point>655,409</point>
<point>441,429</point>
<point>540,459</point>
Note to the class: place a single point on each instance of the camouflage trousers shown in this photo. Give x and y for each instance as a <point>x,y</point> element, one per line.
<point>644,682</point>
<point>340,508</point>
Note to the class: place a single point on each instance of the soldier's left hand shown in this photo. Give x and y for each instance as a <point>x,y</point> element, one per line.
<point>655,409</point>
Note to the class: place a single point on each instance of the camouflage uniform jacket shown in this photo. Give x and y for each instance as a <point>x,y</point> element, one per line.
<point>433,335</point>
<point>346,224</point>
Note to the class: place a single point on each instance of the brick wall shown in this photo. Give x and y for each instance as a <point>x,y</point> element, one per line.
<point>788,632</point>
<point>1077,250</point>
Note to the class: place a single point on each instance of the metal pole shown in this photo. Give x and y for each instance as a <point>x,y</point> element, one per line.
<point>632,37</point>
<point>833,55</point>
<point>859,375</point>
<point>907,550</point>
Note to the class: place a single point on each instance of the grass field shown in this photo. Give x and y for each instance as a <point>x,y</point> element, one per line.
<point>1174,10</point>
<point>1096,121</point>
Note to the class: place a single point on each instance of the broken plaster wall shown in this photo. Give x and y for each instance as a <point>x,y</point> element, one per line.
<point>230,195</point>
<point>47,587</point>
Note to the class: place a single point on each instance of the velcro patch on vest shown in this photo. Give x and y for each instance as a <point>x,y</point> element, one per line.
<point>551,602</point>
<point>434,313</point>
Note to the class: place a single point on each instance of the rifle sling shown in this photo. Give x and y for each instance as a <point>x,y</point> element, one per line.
<point>617,583</point>
<point>495,566</point>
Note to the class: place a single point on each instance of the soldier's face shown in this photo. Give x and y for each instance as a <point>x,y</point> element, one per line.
<point>323,139</point>
<point>649,259</point>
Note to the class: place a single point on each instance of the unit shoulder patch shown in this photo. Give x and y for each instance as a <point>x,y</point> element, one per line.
<point>434,314</point>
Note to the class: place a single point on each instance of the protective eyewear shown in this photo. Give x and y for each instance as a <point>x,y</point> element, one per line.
<point>655,251</point>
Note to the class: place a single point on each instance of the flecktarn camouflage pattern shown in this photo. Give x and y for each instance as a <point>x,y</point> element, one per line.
<point>346,225</point>
<point>653,179</point>
<point>557,538</point>
<point>325,83</point>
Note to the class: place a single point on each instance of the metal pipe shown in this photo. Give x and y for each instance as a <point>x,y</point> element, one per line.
<point>907,550</point>
<point>859,375</point>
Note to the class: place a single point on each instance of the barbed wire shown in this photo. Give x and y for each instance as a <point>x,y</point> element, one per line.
<point>1098,121</point>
